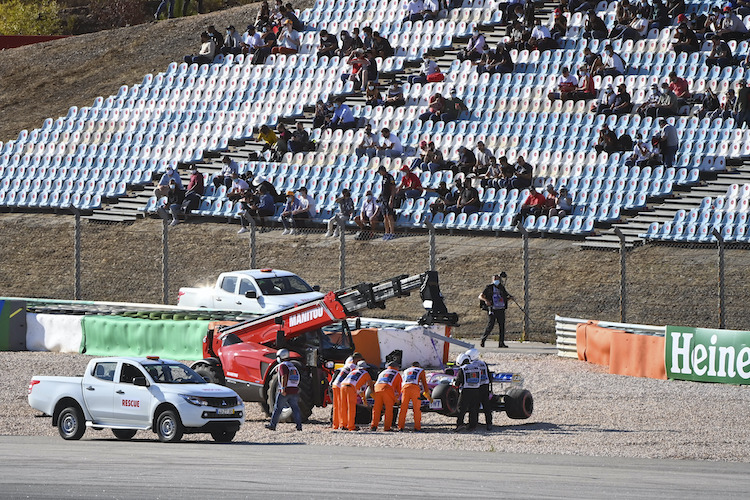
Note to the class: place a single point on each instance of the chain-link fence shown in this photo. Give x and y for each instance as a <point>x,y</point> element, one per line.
<point>148,261</point>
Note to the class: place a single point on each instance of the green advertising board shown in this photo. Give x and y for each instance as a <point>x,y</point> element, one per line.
<point>707,355</point>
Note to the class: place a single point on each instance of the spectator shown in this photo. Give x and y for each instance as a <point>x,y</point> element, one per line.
<point>367,40</point>
<point>251,40</point>
<point>409,187</point>
<point>666,105</point>
<point>731,26</point>
<point>262,52</point>
<point>289,40</point>
<point>300,140</point>
<point>435,108</point>
<point>357,43</point>
<point>206,53</point>
<point>532,205</point>
<point>263,19</point>
<point>726,106</point>
<point>162,188</point>
<point>414,10</point>
<point>345,209</point>
<point>431,158</point>
<point>562,204</point>
<point>288,14</point>
<point>566,84</point>
<point>174,199</point>
<point>368,144</point>
<point>611,63</point>
<point>483,159</point>
<point>496,61</point>
<point>431,10</point>
<point>369,215</point>
<point>259,183</point>
<point>606,103</point>
<point>680,87</point>
<point>323,114</point>
<point>261,207</point>
<point>387,194</point>
<point>327,44</point>
<point>721,54</point>
<point>429,68</point>
<point>669,142</point>
<point>540,38</point>
<point>239,188</point>
<point>290,208</point>
<point>359,73</point>
<point>522,176</point>
<point>370,73</point>
<point>607,141</point>
<point>446,198</point>
<point>453,108</point>
<point>585,88</point>
<point>559,26</point>
<point>283,136</point>
<point>390,145</point>
<point>594,27</point>
<point>742,107</point>
<point>622,102</point>
<point>305,209</point>
<point>709,103</point>
<point>342,116</point>
<point>651,100</point>
<point>468,201</point>
<point>466,161</point>
<point>268,136</point>
<point>229,167</point>
<point>629,28</point>
<point>347,44</point>
<point>507,173</point>
<point>380,46</point>
<point>518,36</point>
<point>395,96</point>
<point>162,6</point>
<point>232,42</point>
<point>373,97</point>
<point>217,37</point>
<point>641,154</point>
<point>192,197</point>
<point>491,178</point>
<point>474,48</point>
<point>685,40</point>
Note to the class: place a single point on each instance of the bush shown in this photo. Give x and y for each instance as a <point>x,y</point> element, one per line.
<point>33,18</point>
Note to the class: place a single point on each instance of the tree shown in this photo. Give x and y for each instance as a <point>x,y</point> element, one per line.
<point>33,18</point>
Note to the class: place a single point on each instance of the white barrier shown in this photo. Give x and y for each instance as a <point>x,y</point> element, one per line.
<point>414,344</point>
<point>53,332</point>
<point>565,328</point>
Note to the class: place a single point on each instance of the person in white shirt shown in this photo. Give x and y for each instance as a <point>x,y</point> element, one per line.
<point>390,144</point>
<point>474,48</point>
<point>369,215</point>
<point>612,63</point>
<point>541,39</point>
<point>239,187</point>
<point>170,176</point>
<point>232,42</point>
<point>566,83</point>
<point>414,10</point>
<point>289,40</point>
<point>429,67</point>
<point>228,168</point>
<point>367,146</point>
<point>251,40</point>
<point>431,10</point>
<point>206,53</point>
<point>303,209</point>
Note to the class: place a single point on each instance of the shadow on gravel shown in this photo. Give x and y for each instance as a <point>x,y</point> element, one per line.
<point>557,429</point>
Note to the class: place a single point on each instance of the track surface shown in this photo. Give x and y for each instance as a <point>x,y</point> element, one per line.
<point>48,467</point>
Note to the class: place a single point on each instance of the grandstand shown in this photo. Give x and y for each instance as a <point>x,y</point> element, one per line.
<point>100,158</point>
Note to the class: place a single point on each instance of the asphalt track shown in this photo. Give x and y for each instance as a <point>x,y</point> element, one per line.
<point>48,467</point>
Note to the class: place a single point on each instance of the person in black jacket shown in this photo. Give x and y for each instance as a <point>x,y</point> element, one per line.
<point>494,299</point>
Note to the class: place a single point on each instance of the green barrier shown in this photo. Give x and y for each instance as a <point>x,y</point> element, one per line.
<point>12,325</point>
<point>707,355</point>
<point>120,336</point>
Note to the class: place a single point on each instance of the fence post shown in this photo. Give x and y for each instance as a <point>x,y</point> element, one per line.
<point>77,255</point>
<point>623,289</point>
<point>341,223</point>
<point>720,241</point>
<point>525,239</point>
<point>253,242</point>
<point>433,246</point>
<point>164,254</point>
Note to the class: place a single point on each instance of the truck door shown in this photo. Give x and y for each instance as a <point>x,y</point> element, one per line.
<point>99,391</point>
<point>249,304</point>
<point>224,296</point>
<point>132,404</point>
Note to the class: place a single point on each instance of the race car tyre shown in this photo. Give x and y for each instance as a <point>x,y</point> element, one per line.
<point>519,403</point>
<point>448,397</point>
<point>70,423</point>
<point>168,427</point>
<point>212,374</point>
<point>363,415</point>
<point>305,400</point>
<point>124,434</point>
<point>223,435</point>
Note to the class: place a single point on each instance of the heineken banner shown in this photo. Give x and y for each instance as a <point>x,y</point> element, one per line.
<point>706,355</point>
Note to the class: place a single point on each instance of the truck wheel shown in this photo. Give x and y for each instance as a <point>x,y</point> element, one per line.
<point>305,400</point>
<point>448,397</point>
<point>124,434</point>
<point>168,427</point>
<point>223,435</point>
<point>70,423</point>
<point>519,403</point>
<point>211,373</point>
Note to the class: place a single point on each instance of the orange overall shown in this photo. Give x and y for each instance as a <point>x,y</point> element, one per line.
<point>349,390</point>
<point>387,387</point>
<point>414,382</point>
<point>338,421</point>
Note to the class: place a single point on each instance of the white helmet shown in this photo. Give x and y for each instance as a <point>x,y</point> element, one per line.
<point>362,364</point>
<point>462,359</point>
<point>473,354</point>
<point>282,354</point>
<point>349,361</point>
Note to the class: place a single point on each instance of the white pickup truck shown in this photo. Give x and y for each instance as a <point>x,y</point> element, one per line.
<point>260,291</point>
<point>131,394</point>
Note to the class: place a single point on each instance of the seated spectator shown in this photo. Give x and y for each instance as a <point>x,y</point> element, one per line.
<point>263,18</point>
<point>622,102</point>
<point>522,176</point>
<point>559,26</point>
<point>434,108</point>
<point>328,44</point>
<point>709,103</point>
<point>666,105</point>
<point>372,96</point>
<point>431,10</point>
<point>429,68</point>
<point>357,43</point>
<point>380,46</point>
<point>390,144</point>
<point>532,205</point>
<point>367,38</point>
<point>540,38</point>
<point>238,189</point>
<point>685,40</point>
<point>342,116</point>
<point>474,48</point>
<point>395,96</point>
<point>726,106</point>
<point>261,206</point>
<point>358,73</point>
<point>260,183</point>
<point>283,136</point>
<point>566,84</point>
<point>262,52</point>
<point>446,198</point>
<point>232,42</point>
<point>453,107</point>
<point>288,14</point>
<point>642,153</point>
<point>193,194</point>
<point>345,209</point>
<point>721,54</point>
<point>680,87</point>
<point>518,36</point>
<point>369,215</point>
<point>630,29</point>
<point>594,27</point>
<point>251,40</point>
<point>414,10</point>
<point>346,47</point>
<point>731,26</point>
<point>507,173</point>
<point>483,159</point>
<point>562,203</point>
<point>268,137</point>
<point>174,195</point>
<point>368,144</point>
<point>607,140</point>
<point>229,167</point>
<point>651,100</point>
<point>206,53</point>
<point>585,88</point>
<point>289,40</point>
<point>323,114</point>
<point>466,161</point>
<point>496,61</point>
<point>300,140</point>
<point>370,70</point>
<point>611,63</point>
<point>300,208</point>
<point>468,201</point>
<point>409,187</point>
<point>492,177</point>
<point>290,208</point>
<point>217,37</point>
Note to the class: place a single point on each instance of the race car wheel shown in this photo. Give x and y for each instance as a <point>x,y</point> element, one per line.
<point>448,397</point>
<point>305,400</point>
<point>210,373</point>
<point>168,427</point>
<point>519,403</point>
<point>70,423</point>
<point>223,435</point>
<point>124,434</point>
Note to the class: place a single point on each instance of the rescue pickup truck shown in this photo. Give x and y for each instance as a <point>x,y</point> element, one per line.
<point>259,291</point>
<point>130,394</point>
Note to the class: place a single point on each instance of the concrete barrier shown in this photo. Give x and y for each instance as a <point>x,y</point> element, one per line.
<point>54,332</point>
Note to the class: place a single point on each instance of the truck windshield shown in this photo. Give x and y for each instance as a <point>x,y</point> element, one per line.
<point>283,285</point>
<point>173,373</point>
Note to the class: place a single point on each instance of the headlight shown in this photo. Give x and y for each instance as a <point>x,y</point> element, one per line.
<point>195,400</point>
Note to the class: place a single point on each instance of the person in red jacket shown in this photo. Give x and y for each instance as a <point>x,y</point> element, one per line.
<point>387,391</point>
<point>532,205</point>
